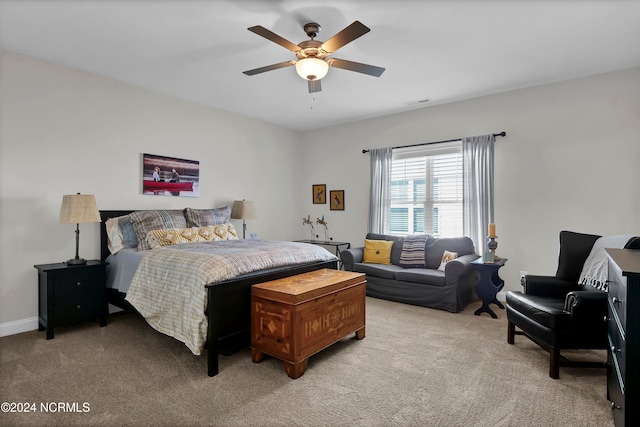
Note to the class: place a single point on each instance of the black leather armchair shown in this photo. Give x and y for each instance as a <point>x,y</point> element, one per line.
<point>555,311</point>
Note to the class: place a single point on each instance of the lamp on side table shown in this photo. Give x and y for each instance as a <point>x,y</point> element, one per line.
<point>76,209</point>
<point>244,210</point>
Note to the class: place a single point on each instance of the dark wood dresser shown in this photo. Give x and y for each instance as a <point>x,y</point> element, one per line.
<point>623,317</point>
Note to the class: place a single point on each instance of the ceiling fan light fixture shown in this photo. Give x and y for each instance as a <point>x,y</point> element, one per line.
<point>312,68</point>
<point>313,62</point>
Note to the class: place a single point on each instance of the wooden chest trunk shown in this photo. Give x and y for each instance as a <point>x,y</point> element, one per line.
<point>295,317</point>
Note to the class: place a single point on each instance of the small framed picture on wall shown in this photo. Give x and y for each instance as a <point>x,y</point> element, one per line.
<point>336,200</point>
<point>319,194</point>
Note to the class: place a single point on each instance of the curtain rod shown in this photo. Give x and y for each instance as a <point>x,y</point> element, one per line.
<point>503,133</point>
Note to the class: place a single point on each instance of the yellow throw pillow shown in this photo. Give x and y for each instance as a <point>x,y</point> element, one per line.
<point>446,257</point>
<point>377,251</point>
<point>165,237</point>
<point>174,236</point>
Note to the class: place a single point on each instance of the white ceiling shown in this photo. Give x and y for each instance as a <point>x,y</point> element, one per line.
<point>443,51</point>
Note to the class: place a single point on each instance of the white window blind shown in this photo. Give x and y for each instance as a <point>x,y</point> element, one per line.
<point>426,190</point>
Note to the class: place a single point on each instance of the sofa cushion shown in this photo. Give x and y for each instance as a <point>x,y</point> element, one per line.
<point>377,251</point>
<point>436,248</point>
<point>421,275</point>
<point>386,271</point>
<point>413,247</point>
<point>397,244</point>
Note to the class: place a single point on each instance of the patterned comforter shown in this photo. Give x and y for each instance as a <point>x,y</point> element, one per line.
<point>168,288</point>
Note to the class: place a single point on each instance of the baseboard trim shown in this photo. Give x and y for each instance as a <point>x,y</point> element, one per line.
<point>18,326</point>
<point>31,324</point>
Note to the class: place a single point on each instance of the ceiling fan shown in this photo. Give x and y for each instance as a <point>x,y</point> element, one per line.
<point>313,62</point>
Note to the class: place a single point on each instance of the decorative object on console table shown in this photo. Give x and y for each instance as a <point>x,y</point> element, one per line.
<point>312,230</point>
<point>76,209</point>
<point>71,293</point>
<point>295,317</point>
<point>337,200</point>
<point>323,223</point>
<point>319,194</point>
<point>623,329</point>
<point>488,285</point>
<point>244,210</point>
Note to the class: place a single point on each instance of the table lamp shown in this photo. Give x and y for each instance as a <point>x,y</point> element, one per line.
<point>244,210</point>
<point>75,209</point>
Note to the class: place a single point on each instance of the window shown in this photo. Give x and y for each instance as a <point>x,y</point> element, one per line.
<point>426,190</point>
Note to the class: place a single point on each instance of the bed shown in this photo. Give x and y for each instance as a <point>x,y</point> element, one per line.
<point>227,302</point>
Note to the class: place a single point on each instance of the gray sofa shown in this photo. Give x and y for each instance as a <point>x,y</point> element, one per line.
<point>450,290</point>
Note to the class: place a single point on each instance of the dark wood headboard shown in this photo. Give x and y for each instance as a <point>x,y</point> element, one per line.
<point>104,216</point>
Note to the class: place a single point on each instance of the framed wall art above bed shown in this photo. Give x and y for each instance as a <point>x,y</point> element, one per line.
<point>170,176</point>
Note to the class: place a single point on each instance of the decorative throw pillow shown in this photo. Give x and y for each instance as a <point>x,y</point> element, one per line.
<point>446,257</point>
<point>205,217</point>
<point>413,249</point>
<point>377,251</point>
<point>175,236</point>
<point>165,237</point>
<point>208,233</point>
<point>436,247</point>
<point>222,232</point>
<point>145,221</point>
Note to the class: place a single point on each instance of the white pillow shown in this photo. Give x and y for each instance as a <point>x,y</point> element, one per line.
<point>115,240</point>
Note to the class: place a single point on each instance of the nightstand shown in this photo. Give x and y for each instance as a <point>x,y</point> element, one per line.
<point>69,294</point>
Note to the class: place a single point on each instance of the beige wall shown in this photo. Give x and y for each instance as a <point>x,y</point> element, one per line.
<point>568,162</point>
<point>65,131</point>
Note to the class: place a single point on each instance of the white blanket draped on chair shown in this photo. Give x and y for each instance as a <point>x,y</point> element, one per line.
<point>595,269</point>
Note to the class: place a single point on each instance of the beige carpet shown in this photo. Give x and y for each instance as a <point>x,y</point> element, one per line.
<point>416,367</point>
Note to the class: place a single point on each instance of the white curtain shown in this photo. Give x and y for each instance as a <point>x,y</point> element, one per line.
<point>380,199</point>
<point>477,155</point>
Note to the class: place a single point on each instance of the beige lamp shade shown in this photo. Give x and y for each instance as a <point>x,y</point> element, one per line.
<point>79,208</point>
<point>243,209</point>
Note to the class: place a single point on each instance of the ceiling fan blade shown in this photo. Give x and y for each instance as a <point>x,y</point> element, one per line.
<point>314,86</point>
<point>270,35</point>
<point>345,36</point>
<point>269,68</point>
<point>356,66</point>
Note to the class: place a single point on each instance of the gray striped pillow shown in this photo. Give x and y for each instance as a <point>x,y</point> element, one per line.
<point>145,221</point>
<point>206,217</point>
<point>413,251</point>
